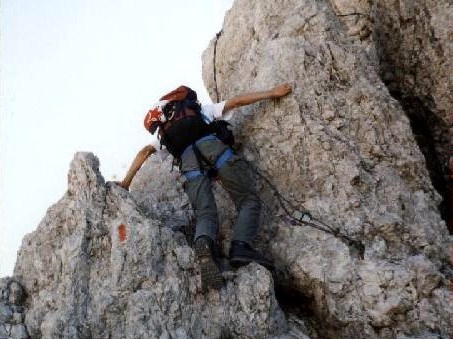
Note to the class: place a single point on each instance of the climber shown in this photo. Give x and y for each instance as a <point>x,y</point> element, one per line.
<point>184,128</point>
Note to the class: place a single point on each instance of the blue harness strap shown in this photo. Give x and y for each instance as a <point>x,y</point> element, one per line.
<point>226,154</point>
<point>221,160</point>
<point>192,174</point>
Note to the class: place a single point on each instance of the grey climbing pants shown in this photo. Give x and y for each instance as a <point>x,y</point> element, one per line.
<point>237,179</point>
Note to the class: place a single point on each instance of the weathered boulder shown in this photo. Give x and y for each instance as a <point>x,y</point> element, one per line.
<point>12,311</point>
<point>98,267</point>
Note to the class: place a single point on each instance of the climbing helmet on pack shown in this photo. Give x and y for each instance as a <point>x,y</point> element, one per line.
<point>155,116</point>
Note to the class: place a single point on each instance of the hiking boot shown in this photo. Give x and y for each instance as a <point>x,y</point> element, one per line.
<point>210,274</point>
<point>242,254</point>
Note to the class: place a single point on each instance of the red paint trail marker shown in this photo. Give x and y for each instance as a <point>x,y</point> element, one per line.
<point>121,233</point>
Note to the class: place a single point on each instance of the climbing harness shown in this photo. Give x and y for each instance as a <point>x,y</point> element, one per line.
<point>205,166</point>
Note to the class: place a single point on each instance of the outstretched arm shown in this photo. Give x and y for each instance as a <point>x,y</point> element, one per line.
<point>140,158</point>
<point>250,98</point>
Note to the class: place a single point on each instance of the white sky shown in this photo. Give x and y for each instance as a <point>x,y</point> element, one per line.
<point>80,75</point>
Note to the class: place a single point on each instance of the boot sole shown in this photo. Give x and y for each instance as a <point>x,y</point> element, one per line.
<point>210,274</point>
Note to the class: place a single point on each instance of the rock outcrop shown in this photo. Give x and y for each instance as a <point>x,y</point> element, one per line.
<point>105,263</point>
<point>414,45</point>
<point>411,40</point>
<point>98,267</point>
<point>342,147</point>
<point>12,311</point>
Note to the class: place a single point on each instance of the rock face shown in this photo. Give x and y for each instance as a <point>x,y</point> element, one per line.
<point>98,267</point>
<point>414,45</point>
<point>105,263</point>
<point>12,311</point>
<point>342,147</point>
<point>412,41</point>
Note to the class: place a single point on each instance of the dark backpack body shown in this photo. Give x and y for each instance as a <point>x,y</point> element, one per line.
<point>185,124</point>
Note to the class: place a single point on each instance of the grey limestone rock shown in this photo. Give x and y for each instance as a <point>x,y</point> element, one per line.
<point>12,311</point>
<point>98,266</point>
<point>412,41</point>
<point>342,147</point>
